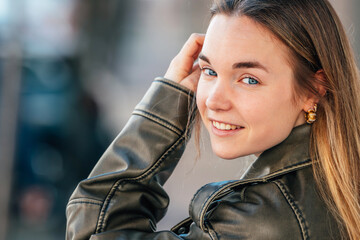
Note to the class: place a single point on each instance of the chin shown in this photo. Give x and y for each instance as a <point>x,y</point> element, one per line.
<point>227,155</point>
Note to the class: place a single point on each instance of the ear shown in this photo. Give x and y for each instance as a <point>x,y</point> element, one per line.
<point>320,82</point>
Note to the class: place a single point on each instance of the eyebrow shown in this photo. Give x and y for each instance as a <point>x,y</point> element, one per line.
<point>246,64</point>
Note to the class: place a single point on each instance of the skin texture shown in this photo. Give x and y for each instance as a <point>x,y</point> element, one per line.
<point>245,81</point>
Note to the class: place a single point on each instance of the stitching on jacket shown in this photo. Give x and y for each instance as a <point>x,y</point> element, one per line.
<point>84,202</point>
<point>101,220</point>
<point>232,184</point>
<point>174,86</point>
<point>191,209</point>
<point>299,216</point>
<point>292,166</point>
<point>207,202</point>
<point>242,193</point>
<point>287,169</point>
<point>212,234</point>
<point>158,120</point>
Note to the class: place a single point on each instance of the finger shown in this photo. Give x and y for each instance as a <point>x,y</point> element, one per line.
<point>193,45</point>
<point>191,50</point>
<point>192,79</point>
<point>195,67</point>
<point>195,74</point>
<point>196,55</point>
<point>181,66</point>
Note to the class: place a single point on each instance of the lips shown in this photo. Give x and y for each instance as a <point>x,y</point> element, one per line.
<point>225,126</point>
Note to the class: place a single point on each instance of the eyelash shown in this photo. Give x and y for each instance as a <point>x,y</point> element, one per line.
<point>242,80</point>
<point>204,71</point>
<point>250,78</point>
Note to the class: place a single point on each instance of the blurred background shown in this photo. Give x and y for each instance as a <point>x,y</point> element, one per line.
<point>71,72</point>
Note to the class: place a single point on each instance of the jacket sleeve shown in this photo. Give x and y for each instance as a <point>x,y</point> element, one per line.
<point>123,197</point>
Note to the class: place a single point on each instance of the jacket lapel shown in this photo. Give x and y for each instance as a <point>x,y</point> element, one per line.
<point>290,155</point>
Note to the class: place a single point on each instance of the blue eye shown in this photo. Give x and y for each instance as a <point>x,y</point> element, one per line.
<point>209,72</point>
<point>250,80</point>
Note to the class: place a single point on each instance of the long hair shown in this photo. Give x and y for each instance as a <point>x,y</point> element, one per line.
<point>317,41</point>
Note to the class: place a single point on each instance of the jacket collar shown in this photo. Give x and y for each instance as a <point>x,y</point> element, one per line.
<point>290,155</point>
<point>293,151</point>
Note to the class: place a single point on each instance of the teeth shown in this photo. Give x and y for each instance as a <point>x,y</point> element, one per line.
<point>223,126</point>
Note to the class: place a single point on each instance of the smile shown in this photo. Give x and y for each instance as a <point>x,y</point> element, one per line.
<point>225,126</point>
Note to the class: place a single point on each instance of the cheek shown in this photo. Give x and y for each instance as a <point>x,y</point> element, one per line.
<point>253,106</point>
<point>287,112</point>
<point>271,108</point>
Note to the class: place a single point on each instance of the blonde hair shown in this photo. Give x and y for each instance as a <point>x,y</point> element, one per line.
<point>318,43</point>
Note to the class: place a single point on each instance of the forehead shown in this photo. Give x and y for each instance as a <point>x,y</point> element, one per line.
<point>241,38</point>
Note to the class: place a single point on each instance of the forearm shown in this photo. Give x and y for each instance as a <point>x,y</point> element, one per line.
<point>124,190</point>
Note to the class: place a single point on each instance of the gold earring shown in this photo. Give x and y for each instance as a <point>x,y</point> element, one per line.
<point>310,115</point>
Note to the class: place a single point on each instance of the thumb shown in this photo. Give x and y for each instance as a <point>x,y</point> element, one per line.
<point>192,79</point>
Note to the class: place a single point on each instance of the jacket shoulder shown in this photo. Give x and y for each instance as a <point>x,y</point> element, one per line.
<point>255,211</point>
<point>285,206</point>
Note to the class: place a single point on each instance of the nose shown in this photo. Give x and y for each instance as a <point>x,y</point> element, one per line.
<point>219,97</point>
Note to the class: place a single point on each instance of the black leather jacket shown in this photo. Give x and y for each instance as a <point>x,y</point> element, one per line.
<point>123,197</point>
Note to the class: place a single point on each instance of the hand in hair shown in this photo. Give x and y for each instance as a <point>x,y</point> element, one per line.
<point>183,68</point>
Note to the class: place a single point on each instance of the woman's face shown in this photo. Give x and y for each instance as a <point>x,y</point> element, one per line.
<point>245,92</point>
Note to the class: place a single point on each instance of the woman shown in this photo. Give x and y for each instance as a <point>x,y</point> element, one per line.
<point>263,65</point>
